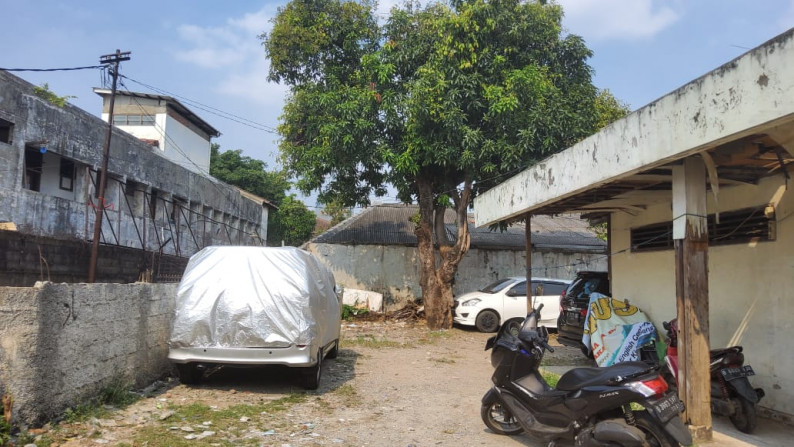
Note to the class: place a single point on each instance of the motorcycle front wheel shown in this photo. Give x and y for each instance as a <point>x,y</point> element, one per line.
<point>655,435</point>
<point>499,419</point>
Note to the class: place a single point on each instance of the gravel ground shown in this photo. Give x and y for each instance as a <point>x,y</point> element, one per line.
<point>393,384</point>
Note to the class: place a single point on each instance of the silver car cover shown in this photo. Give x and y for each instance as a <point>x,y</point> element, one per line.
<point>254,297</point>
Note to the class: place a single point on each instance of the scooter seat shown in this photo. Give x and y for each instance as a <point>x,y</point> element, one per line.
<point>578,378</point>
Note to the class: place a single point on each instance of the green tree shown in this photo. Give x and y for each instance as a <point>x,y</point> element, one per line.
<point>442,101</point>
<point>293,223</point>
<point>249,174</point>
<point>337,212</point>
<point>289,222</point>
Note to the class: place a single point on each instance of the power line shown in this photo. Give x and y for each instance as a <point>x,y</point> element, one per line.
<point>209,109</point>
<point>89,67</point>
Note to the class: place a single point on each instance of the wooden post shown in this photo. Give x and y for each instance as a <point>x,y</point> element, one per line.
<point>528,242</point>
<point>690,233</point>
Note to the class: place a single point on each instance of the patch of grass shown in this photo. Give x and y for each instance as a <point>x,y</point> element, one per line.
<point>369,341</point>
<point>196,413</point>
<point>116,394</point>
<point>349,395</point>
<point>226,420</point>
<point>550,377</point>
<point>434,336</point>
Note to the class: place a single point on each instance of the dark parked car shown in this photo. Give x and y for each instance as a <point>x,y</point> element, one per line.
<point>573,306</point>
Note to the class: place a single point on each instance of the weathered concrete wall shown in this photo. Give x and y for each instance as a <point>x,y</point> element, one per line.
<point>394,270</point>
<point>751,302</point>
<point>74,134</point>
<point>61,343</point>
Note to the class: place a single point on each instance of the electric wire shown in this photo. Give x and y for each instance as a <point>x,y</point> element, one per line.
<point>209,109</point>
<point>89,67</point>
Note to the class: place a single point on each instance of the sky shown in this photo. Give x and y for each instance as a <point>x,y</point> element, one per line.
<point>208,54</point>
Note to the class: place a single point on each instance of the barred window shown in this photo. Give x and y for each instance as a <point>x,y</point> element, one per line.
<point>735,227</point>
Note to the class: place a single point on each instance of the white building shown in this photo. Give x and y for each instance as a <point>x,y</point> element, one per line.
<point>178,134</point>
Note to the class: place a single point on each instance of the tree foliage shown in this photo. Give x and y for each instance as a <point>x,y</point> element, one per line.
<point>442,101</point>
<point>293,223</point>
<point>289,222</point>
<point>337,212</point>
<point>249,174</point>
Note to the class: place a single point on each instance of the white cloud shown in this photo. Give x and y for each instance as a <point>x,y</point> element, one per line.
<point>235,49</point>
<point>252,84</point>
<point>616,19</point>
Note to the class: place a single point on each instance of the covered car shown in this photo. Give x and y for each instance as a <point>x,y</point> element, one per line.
<point>245,306</point>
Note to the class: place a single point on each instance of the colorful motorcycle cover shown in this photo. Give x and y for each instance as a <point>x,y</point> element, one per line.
<point>615,331</point>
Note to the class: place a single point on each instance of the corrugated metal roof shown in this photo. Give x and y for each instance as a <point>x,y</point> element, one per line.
<point>391,225</point>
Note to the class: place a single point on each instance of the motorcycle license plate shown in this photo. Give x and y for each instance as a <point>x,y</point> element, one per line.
<point>735,373</point>
<point>666,407</point>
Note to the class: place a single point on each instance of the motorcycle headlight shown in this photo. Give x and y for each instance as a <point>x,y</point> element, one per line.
<point>471,302</point>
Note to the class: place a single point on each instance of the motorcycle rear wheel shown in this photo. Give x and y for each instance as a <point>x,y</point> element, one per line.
<point>745,418</point>
<point>499,419</point>
<point>655,435</point>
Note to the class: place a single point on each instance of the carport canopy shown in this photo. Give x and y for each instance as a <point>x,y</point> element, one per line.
<point>732,126</point>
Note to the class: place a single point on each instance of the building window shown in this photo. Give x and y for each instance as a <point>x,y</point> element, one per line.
<point>735,227</point>
<point>6,130</point>
<point>67,175</point>
<point>133,120</point>
<point>34,161</point>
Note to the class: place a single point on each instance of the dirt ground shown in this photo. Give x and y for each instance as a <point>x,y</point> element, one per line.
<point>393,384</point>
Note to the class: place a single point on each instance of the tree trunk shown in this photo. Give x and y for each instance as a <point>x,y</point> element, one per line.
<point>437,277</point>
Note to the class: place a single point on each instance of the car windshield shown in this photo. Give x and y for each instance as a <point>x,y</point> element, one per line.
<point>496,286</point>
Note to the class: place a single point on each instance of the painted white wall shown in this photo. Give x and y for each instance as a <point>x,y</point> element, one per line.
<point>51,176</point>
<point>394,270</point>
<point>186,148</point>
<point>751,286</point>
<point>183,146</point>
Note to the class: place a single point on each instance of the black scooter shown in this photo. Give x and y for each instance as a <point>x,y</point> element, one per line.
<point>732,394</point>
<point>595,407</point>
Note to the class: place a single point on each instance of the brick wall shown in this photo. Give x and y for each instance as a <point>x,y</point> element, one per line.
<point>25,259</point>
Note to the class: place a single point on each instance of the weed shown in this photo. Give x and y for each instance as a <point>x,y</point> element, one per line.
<point>117,394</point>
<point>5,432</point>
<point>348,312</point>
<point>45,93</point>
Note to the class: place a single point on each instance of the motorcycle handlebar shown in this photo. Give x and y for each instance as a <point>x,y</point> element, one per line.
<point>545,345</point>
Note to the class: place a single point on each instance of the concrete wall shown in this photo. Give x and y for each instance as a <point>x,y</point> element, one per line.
<point>74,134</point>
<point>62,343</point>
<point>394,270</point>
<point>751,286</point>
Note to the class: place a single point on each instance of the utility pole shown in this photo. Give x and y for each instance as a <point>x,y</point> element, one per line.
<point>114,60</point>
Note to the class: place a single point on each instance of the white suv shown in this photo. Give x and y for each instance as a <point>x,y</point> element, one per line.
<point>506,299</point>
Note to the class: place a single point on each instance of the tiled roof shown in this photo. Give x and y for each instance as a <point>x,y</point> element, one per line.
<point>391,225</point>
